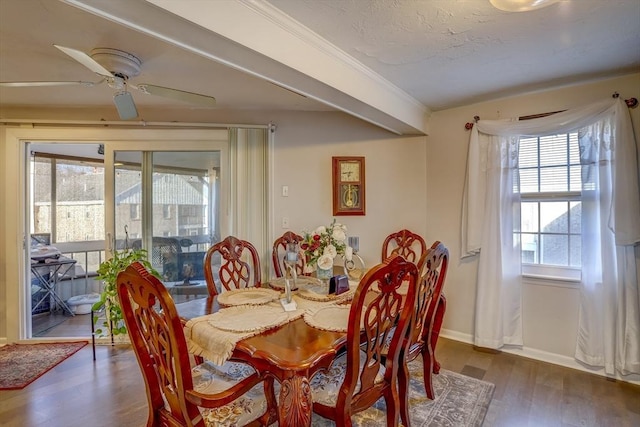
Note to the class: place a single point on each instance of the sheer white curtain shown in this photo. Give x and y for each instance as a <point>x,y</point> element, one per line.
<point>249,193</point>
<point>491,209</point>
<point>609,326</point>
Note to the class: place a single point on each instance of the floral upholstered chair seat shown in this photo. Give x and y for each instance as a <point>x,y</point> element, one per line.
<point>210,378</point>
<point>326,385</point>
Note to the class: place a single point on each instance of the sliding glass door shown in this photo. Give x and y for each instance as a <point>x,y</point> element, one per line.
<point>167,202</point>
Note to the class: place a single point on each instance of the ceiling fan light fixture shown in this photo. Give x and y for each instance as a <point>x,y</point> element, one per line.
<point>521,5</point>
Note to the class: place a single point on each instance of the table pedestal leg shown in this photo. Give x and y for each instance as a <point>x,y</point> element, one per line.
<point>296,405</point>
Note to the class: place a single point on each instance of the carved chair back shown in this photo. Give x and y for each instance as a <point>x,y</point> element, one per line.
<point>422,335</point>
<point>159,343</point>
<point>376,308</point>
<point>279,253</point>
<point>239,265</point>
<point>405,243</point>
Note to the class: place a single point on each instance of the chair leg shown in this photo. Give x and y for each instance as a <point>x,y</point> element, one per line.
<point>435,331</point>
<point>427,369</point>
<point>392,402</point>
<point>403,392</point>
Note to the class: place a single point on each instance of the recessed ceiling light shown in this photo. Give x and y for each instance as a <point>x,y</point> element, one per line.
<point>521,5</point>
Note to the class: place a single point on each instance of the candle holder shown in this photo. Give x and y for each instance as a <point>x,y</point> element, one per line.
<point>354,266</point>
<point>290,262</point>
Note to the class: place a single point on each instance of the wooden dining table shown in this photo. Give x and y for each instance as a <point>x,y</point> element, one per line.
<point>292,353</point>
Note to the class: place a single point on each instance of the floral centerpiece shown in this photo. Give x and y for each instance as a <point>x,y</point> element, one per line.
<point>322,245</point>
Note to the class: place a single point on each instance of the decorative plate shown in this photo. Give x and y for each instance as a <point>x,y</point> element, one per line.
<point>278,282</point>
<point>330,318</point>
<point>248,318</point>
<point>248,296</point>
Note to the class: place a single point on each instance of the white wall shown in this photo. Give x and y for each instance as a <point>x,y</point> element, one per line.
<point>395,177</point>
<point>550,310</point>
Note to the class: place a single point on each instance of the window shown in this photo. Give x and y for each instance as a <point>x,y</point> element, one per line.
<point>166,211</point>
<point>550,185</point>
<point>134,211</point>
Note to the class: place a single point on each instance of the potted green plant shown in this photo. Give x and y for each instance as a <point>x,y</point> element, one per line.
<point>108,273</point>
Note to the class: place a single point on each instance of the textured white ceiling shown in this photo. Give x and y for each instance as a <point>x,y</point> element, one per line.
<point>447,53</point>
<point>443,53</point>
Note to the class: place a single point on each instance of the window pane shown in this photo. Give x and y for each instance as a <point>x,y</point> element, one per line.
<point>575,217</point>
<point>574,149</point>
<point>528,180</point>
<point>128,203</point>
<point>554,217</point>
<point>554,179</point>
<point>553,150</point>
<point>554,249</point>
<point>529,248</point>
<point>41,183</point>
<point>529,216</point>
<point>575,253</point>
<point>528,153</point>
<point>551,179</point>
<point>79,201</point>
<point>575,183</point>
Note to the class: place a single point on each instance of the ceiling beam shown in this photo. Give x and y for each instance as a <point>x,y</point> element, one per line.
<point>253,37</point>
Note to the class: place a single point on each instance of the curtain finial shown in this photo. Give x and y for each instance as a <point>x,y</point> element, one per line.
<point>469,126</point>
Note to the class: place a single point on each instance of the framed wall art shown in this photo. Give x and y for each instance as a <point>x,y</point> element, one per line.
<point>348,186</point>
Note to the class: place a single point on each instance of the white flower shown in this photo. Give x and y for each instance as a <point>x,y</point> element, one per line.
<point>331,251</point>
<point>339,234</point>
<point>325,262</point>
<point>320,230</point>
<point>309,269</point>
<point>348,253</point>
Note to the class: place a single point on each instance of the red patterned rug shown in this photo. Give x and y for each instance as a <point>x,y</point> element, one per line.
<point>21,364</point>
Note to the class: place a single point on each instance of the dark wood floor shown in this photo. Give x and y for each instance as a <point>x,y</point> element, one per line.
<point>109,392</point>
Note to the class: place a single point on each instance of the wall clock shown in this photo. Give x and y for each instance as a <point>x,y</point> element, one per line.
<point>348,186</point>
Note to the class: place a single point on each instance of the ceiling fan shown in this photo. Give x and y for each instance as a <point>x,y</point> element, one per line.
<point>116,67</point>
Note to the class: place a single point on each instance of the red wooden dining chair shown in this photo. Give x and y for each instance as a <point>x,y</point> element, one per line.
<point>412,247</point>
<point>421,339</point>
<point>178,395</point>
<point>278,253</point>
<point>359,377</point>
<point>405,243</point>
<point>239,265</point>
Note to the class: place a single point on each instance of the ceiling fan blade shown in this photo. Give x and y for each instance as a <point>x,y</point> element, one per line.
<point>180,95</point>
<point>41,84</point>
<point>86,60</point>
<point>124,104</point>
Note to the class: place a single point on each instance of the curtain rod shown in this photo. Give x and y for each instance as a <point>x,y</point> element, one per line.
<point>631,103</point>
<point>140,123</point>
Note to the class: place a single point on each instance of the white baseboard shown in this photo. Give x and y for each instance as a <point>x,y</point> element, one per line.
<point>543,356</point>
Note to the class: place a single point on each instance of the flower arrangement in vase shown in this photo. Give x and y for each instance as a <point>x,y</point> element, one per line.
<point>321,246</point>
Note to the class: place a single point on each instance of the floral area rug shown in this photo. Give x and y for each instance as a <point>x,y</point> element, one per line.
<point>21,364</point>
<point>461,401</point>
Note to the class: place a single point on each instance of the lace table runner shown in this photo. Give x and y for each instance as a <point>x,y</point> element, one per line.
<point>206,340</point>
